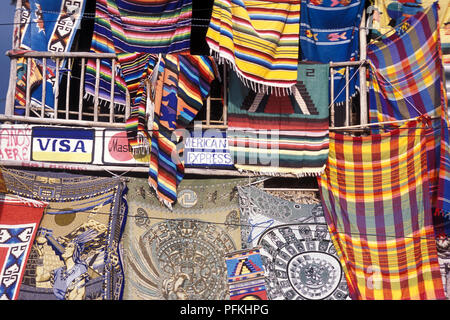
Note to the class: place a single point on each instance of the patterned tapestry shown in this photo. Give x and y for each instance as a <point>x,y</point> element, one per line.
<point>49,25</point>
<point>329,31</point>
<point>298,255</point>
<point>129,26</point>
<point>443,250</point>
<point>273,135</point>
<point>75,255</point>
<point>179,85</point>
<point>385,15</point>
<point>180,254</point>
<point>246,275</point>
<point>19,220</point>
<point>396,94</point>
<point>375,195</point>
<point>259,39</point>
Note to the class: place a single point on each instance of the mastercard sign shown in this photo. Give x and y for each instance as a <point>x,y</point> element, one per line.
<point>116,149</point>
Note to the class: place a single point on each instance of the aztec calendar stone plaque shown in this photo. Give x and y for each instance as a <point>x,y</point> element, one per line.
<point>301,263</point>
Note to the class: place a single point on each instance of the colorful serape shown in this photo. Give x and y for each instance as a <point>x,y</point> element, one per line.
<point>259,40</point>
<point>375,195</point>
<point>329,31</point>
<point>19,220</point>
<point>75,255</point>
<point>269,134</point>
<point>245,272</point>
<point>50,26</point>
<point>129,26</point>
<point>180,253</point>
<point>298,256</point>
<point>181,84</point>
<point>406,81</point>
<point>385,15</point>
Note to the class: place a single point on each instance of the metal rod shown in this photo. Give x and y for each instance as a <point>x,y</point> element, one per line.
<point>362,72</point>
<point>111,102</point>
<point>80,98</point>
<point>347,97</point>
<point>225,98</point>
<point>332,96</point>
<point>97,87</point>
<point>56,88</point>
<point>68,79</point>
<point>44,86</point>
<point>208,111</point>
<point>51,54</point>
<point>28,89</point>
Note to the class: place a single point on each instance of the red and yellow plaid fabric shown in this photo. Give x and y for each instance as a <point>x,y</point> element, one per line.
<point>375,195</point>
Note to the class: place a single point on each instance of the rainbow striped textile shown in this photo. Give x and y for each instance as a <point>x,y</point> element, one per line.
<point>406,81</point>
<point>259,40</point>
<point>277,135</point>
<point>375,196</point>
<point>129,26</point>
<point>179,84</point>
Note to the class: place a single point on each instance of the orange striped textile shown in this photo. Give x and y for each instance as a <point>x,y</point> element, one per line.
<point>375,195</point>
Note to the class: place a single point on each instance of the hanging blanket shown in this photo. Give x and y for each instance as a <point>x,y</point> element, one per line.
<point>180,253</point>
<point>329,32</point>
<point>50,26</point>
<point>76,251</point>
<point>259,39</point>
<point>375,195</point>
<point>245,273</point>
<point>406,80</point>
<point>138,26</point>
<point>385,15</point>
<point>275,135</point>
<point>181,83</point>
<point>19,220</point>
<point>298,255</point>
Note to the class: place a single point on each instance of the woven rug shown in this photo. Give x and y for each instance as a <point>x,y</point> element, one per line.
<point>259,40</point>
<point>50,25</point>
<point>137,26</point>
<point>299,259</point>
<point>275,135</point>
<point>406,81</point>
<point>19,220</point>
<point>375,196</point>
<point>181,83</point>
<point>180,253</point>
<point>76,251</point>
<point>245,273</point>
<point>329,31</point>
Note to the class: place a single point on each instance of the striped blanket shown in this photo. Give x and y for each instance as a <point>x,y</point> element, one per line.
<point>258,39</point>
<point>329,32</point>
<point>375,197</point>
<point>181,83</point>
<point>274,135</point>
<point>129,26</point>
<point>406,80</point>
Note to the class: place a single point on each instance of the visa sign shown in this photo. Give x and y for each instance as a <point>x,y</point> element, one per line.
<point>62,144</point>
